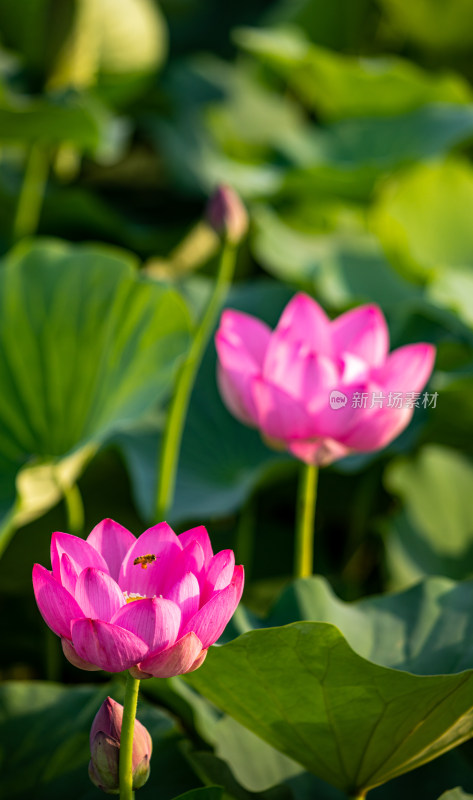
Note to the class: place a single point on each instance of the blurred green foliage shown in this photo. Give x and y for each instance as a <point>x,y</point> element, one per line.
<point>347,127</point>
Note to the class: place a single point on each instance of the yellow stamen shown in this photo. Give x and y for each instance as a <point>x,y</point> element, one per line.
<point>130,597</point>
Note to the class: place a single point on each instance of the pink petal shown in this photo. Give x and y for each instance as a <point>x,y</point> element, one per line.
<point>159,541</point>
<point>107,646</point>
<point>113,542</point>
<point>407,369</point>
<point>74,659</point>
<point>199,535</point>
<point>280,416</point>
<point>241,341</point>
<point>320,452</point>
<point>210,621</point>
<point>332,419</point>
<point>155,620</point>
<point>193,558</point>
<point>362,332</point>
<point>219,573</point>
<point>186,594</point>
<point>98,595</point>
<point>353,369</point>
<point>235,389</point>
<point>304,321</point>
<point>68,575</point>
<point>199,660</point>
<point>176,660</point>
<point>304,375</point>
<point>56,605</point>
<point>80,552</point>
<point>377,427</point>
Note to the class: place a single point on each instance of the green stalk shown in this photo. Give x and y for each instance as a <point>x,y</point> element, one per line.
<point>74,508</point>
<point>171,444</point>
<point>126,738</point>
<point>32,192</point>
<point>306,500</point>
<point>360,796</point>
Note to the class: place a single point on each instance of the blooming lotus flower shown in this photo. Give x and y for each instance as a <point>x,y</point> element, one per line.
<point>313,386</point>
<point>151,604</point>
<point>105,749</point>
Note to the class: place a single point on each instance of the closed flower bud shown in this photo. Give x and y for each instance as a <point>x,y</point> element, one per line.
<point>227,215</point>
<point>105,749</point>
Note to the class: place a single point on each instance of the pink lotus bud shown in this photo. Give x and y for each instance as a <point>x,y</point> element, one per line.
<point>152,604</point>
<point>105,749</point>
<point>320,388</point>
<point>227,215</point>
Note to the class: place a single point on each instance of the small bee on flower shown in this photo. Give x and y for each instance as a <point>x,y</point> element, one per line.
<point>145,560</point>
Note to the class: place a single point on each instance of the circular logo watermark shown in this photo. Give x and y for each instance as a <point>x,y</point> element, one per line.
<point>337,399</point>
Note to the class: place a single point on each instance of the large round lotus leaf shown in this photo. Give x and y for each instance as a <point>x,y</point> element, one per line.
<point>456,794</point>
<point>86,347</point>
<point>349,715</point>
<point>433,534</point>
<point>53,119</point>
<point>110,36</point>
<point>351,722</point>
<point>423,218</point>
<point>425,630</point>
<point>434,24</point>
<point>341,86</point>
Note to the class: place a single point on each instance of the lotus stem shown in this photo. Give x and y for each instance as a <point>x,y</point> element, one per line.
<point>74,508</point>
<point>126,738</point>
<point>171,443</point>
<point>307,497</point>
<point>32,192</point>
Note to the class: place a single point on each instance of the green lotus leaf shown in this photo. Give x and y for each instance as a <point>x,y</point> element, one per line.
<point>341,86</point>
<point>422,219</point>
<point>434,532</point>
<point>87,346</point>
<point>434,25</point>
<point>351,722</point>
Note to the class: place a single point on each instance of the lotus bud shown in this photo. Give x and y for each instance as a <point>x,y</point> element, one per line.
<point>105,749</point>
<point>227,215</point>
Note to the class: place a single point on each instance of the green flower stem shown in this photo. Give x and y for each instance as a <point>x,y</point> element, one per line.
<point>32,192</point>
<point>307,496</point>
<point>171,444</point>
<point>126,738</point>
<point>74,508</point>
<point>360,796</point>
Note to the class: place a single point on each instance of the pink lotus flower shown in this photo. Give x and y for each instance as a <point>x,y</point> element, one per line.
<point>152,605</point>
<point>321,389</point>
<point>105,736</point>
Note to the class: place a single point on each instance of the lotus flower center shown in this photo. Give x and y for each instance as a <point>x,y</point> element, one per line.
<point>130,596</point>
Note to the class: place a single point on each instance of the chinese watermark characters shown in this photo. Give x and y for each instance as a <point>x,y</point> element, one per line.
<point>384,399</point>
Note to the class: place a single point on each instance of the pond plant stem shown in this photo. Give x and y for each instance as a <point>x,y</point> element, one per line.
<point>31,196</point>
<point>306,500</point>
<point>125,769</point>
<point>74,509</point>
<point>171,442</point>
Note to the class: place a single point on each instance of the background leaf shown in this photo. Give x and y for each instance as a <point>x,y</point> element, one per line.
<point>349,721</point>
<point>87,347</point>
